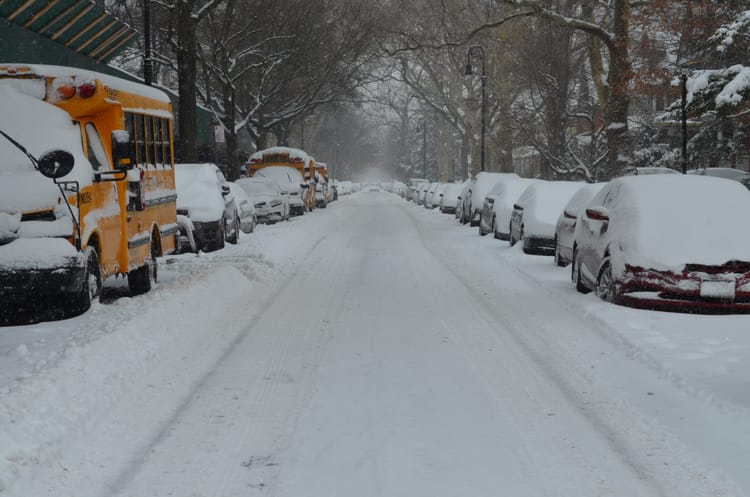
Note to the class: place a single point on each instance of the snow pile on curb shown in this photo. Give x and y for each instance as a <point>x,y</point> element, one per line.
<point>185,326</point>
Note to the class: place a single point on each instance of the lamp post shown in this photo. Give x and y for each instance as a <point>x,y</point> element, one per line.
<point>477,51</point>
<point>683,80</point>
<point>424,148</point>
<point>147,66</point>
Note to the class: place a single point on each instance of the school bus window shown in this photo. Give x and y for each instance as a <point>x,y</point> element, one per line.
<point>129,128</point>
<point>97,154</point>
<point>167,144</point>
<point>140,145</point>
<point>157,142</point>
<point>148,134</point>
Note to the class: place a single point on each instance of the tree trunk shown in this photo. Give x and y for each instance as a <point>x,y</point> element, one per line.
<point>230,135</point>
<point>619,100</point>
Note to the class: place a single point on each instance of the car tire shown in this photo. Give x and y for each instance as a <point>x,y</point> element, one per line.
<point>605,284</point>
<point>233,236</point>
<point>494,229</point>
<point>558,258</point>
<point>91,289</point>
<point>576,274</point>
<point>141,279</point>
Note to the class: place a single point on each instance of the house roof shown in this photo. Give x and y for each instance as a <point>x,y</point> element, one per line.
<point>80,25</point>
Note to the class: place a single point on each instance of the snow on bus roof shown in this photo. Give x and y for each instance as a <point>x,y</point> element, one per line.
<point>294,153</point>
<point>109,81</point>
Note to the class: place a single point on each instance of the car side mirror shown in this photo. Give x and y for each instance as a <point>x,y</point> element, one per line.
<point>225,190</point>
<point>56,164</point>
<point>122,150</point>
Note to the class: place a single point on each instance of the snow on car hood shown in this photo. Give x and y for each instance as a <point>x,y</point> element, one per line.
<point>39,127</point>
<point>666,221</point>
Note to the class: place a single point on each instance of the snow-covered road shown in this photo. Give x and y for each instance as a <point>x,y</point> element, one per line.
<point>373,349</point>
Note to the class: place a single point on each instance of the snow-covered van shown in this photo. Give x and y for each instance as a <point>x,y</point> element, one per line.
<point>87,186</point>
<point>290,157</point>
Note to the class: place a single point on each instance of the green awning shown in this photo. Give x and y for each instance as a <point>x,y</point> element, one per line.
<point>79,25</point>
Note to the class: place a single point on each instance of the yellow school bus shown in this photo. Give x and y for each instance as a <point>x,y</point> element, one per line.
<point>303,190</point>
<point>88,160</point>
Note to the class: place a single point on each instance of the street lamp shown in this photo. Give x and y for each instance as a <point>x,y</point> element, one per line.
<point>683,80</point>
<point>478,51</point>
<point>147,64</point>
<point>424,148</point>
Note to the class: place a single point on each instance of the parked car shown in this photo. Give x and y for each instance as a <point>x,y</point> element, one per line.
<point>502,206</point>
<point>292,188</point>
<point>266,196</point>
<point>463,207</point>
<point>421,192</point>
<point>644,170</point>
<point>430,202</point>
<point>205,198</point>
<point>567,220</point>
<point>722,172</point>
<point>488,223</point>
<point>481,185</point>
<point>449,199</point>
<point>672,243</point>
<point>245,208</point>
<point>535,214</point>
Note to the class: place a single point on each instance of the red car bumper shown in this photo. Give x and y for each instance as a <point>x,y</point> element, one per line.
<point>700,289</point>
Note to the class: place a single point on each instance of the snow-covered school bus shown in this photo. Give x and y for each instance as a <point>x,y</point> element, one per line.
<point>87,186</point>
<point>290,157</point>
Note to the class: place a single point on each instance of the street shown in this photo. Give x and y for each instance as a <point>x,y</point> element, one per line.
<point>373,349</point>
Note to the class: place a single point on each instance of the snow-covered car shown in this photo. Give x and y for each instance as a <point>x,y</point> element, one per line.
<point>204,197</point>
<point>567,220</point>
<point>535,215</point>
<point>478,189</point>
<point>245,208</point>
<point>321,194</point>
<point>503,201</point>
<point>422,192</point>
<point>449,198</point>
<point>266,196</point>
<point>722,172</point>
<point>487,218</point>
<point>646,170</point>
<point>430,201</point>
<point>292,187</point>
<point>677,243</point>
<point>463,205</point>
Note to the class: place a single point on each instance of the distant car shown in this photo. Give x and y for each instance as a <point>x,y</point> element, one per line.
<point>449,199</point>
<point>430,202</point>
<point>566,222</point>
<point>463,207</point>
<point>722,172</point>
<point>479,188</point>
<point>245,208</point>
<point>672,243</point>
<point>205,198</point>
<point>487,219</point>
<point>421,192</point>
<point>503,201</point>
<point>266,196</point>
<point>641,171</point>
<point>535,215</point>
<point>292,187</point>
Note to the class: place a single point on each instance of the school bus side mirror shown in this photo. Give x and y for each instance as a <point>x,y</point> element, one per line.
<point>122,150</point>
<point>56,164</point>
